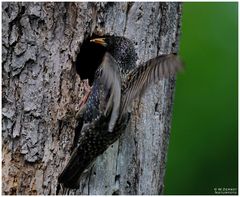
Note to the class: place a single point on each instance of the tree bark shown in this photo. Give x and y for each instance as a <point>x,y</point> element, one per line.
<point>41,92</point>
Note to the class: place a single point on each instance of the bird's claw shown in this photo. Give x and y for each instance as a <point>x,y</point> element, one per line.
<point>87,90</point>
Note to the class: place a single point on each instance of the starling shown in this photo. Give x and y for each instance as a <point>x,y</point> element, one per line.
<point>104,117</point>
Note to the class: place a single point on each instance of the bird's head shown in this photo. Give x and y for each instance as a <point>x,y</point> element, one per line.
<point>122,50</point>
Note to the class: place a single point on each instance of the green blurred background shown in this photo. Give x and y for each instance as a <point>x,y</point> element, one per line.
<point>203,149</point>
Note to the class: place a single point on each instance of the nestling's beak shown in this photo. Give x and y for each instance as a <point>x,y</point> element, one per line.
<point>100,41</point>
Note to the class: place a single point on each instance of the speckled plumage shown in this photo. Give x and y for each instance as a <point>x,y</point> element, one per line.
<point>124,53</point>
<point>105,116</point>
<point>126,58</point>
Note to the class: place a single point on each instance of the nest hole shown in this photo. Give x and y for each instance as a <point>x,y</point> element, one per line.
<point>89,58</point>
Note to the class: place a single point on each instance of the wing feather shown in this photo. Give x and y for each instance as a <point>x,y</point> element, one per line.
<point>150,72</point>
<point>110,79</point>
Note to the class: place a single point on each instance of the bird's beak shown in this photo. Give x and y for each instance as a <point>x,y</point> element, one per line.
<point>100,41</point>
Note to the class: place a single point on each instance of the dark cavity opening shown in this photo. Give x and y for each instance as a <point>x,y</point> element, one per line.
<point>89,58</point>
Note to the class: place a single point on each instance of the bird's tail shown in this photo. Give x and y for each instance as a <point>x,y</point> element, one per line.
<point>81,158</point>
<point>94,140</point>
<point>69,178</point>
<point>91,144</point>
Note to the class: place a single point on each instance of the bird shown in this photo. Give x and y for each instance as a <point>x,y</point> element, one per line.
<point>118,80</point>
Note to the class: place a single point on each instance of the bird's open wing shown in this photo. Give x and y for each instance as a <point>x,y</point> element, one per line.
<point>109,77</point>
<point>150,72</point>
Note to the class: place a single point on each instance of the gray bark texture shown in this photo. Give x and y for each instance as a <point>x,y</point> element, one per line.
<point>41,92</point>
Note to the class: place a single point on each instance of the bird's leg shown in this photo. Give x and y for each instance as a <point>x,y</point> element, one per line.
<point>79,115</point>
<point>87,89</point>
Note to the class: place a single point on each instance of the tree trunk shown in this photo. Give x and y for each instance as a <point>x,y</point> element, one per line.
<point>41,93</point>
